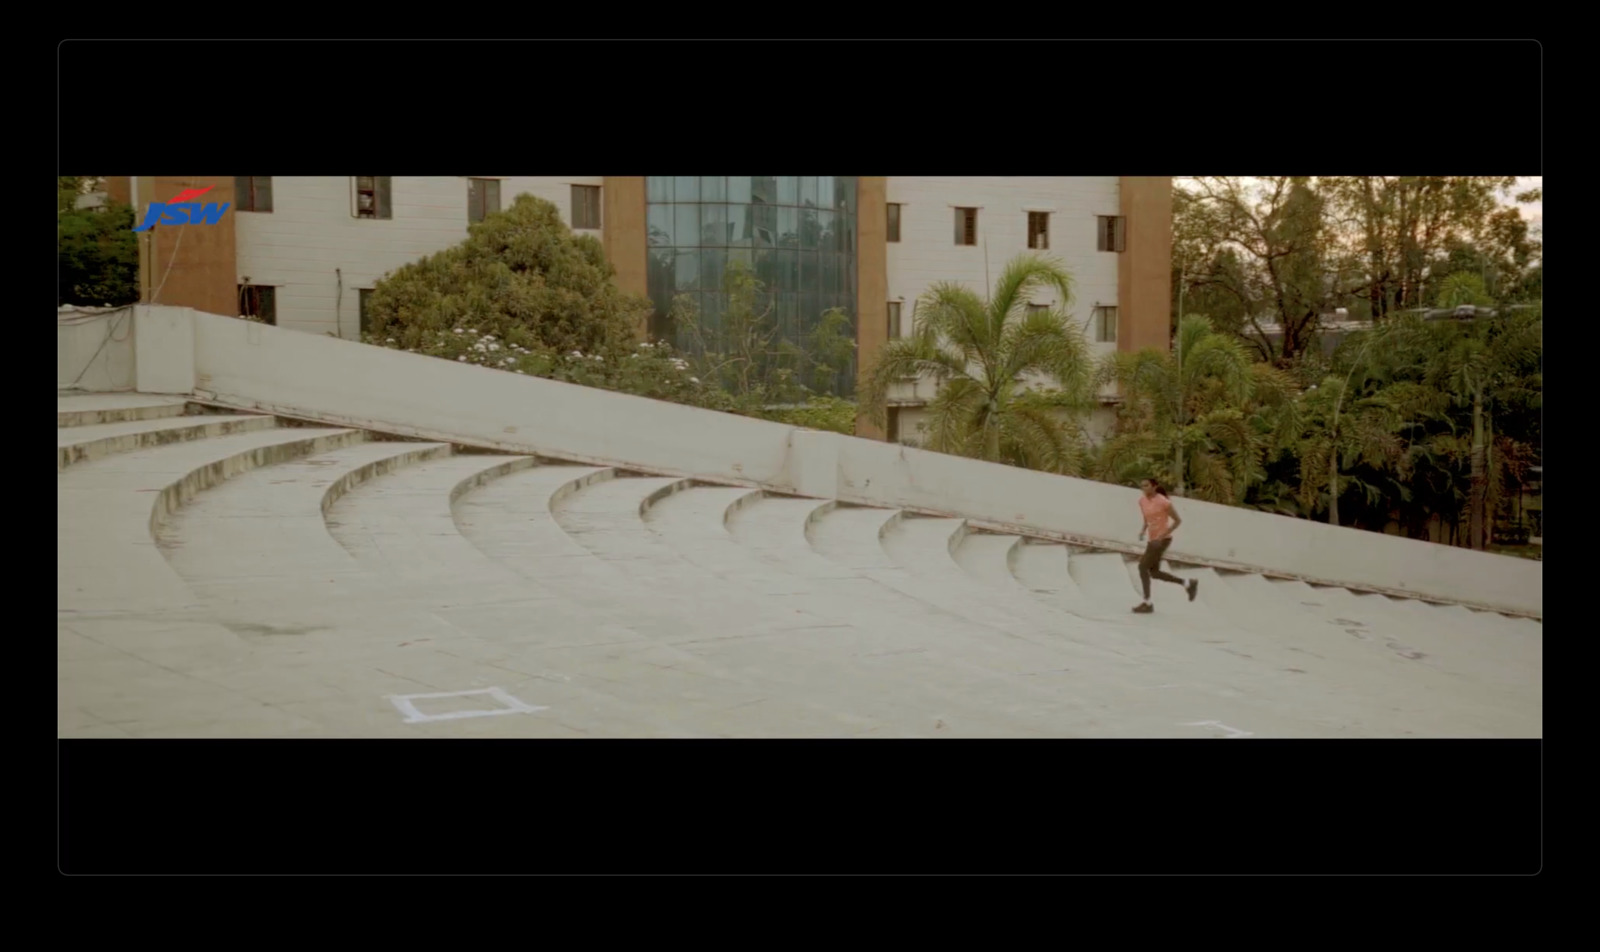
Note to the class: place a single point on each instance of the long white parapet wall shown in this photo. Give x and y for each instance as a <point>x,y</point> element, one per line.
<point>243,364</point>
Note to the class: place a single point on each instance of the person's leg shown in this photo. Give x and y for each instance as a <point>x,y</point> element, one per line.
<point>1145,564</point>
<point>1153,555</point>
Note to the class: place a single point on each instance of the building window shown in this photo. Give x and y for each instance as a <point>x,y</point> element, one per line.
<point>966,226</point>
<point>252,193</point>
<point>1105,325</point>
<point>894,222</point>
<point>483,198</point>
<point>366,314</point>
<point>586,206</point>
<point>259,301</point>
<point>1113,233</point>
<point>894,320</point>
<point>1039,230</point>
<point>373,197</point>
<point>795,233</point>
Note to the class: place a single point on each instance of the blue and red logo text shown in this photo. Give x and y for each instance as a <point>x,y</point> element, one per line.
<point>180,210</point>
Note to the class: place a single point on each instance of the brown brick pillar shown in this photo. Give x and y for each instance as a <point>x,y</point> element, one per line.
<point>1144,268</point>
<point>190,265</point>
<point>622,220</point>
<point>872,281</point>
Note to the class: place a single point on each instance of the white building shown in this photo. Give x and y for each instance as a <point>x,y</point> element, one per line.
<point>301,250</point>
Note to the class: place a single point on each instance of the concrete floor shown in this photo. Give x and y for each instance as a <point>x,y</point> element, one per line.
<point>224,576</point>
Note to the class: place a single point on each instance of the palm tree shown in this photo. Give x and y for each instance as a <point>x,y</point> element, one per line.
<point>1195,416</point>
<point>1011,377</point>
<point>1492,357</point>
<point>1340,428</point>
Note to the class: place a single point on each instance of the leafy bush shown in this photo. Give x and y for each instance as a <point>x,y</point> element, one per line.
<point>818,413</point>
<point>525,295</point>
<point>521,276</point>
<point>97,252</point>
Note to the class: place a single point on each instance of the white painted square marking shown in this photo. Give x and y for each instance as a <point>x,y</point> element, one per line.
<point>1232,731</point>
<point>413,716</point>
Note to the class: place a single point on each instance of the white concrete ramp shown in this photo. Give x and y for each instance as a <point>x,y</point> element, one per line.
<point>231,574</point>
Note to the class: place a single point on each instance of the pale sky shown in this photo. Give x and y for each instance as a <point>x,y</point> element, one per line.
<point>1534,211</point>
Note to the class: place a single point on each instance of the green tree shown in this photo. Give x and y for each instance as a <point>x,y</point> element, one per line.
<point>1197,417</point>
<point>1345,440</point>
<point>523,276</point>
<point>97,252</point>
<point>1481,363</point>
<point>1399,224</point>
<point>739,346</point>
<point>1012,379</point>
<point>1442,387</point>
<point>1256,248</point>
<point>523,294</point>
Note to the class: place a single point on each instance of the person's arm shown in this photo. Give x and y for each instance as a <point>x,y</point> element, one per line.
<point>1143,525</point>
<point>1173,515</point>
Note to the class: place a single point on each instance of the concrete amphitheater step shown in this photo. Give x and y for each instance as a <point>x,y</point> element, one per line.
<point>772,627</point>
<point>403,525</point>
<point>271,567</point>
<point>88,409</point>
<point>259,552</point>
<point>921,658</point>
<point>1483,700</point>
<point>1270,659</point>
<point>129,632</point>
<point>512,521</point>
<point>108,511</point>
<point>89,442</point>
<point>1174,697</point>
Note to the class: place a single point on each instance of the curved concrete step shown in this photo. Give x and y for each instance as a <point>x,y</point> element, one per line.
<point>1378,688</point>
<point>1262,660</point>
<point>512,521</point>
<point>1103,577</point>
<point>403,525</point>
<point>693,522</point>
<point>85,443</point>
<point>918,551</point>
<point>607,519</point>
<point>993,561</point>
<point>108,513</point>
<point>761,624</point>
<point>1042,568</point>
<point>851,536</point>
<point>334,642</point>
<point>88,409</point>
<point>921,658</point>
<point>259,551</point>
<point>130,634</point>
<point>1402,635</point>
<point>1158,694</point>
<point>1452,633</point>
<point>782,531</point>
<point>989,559</point>
<point>1140,636</point>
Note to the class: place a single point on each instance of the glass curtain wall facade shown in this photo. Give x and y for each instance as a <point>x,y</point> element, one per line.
<point>797,233</point>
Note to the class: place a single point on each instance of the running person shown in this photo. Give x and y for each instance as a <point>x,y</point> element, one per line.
<point>1157,511</point>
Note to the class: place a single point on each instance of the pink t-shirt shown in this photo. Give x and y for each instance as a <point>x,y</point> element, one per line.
<point>1155,509</point>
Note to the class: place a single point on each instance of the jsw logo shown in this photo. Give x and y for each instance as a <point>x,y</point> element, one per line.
<point>181,211</point>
